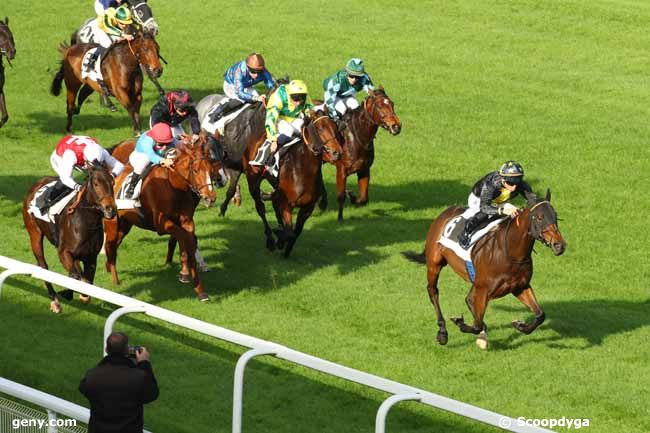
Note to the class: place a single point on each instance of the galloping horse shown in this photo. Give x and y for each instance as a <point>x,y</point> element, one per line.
<point>121,70</point>
<point>358,145</point>
<point>7,49</point>
<point>503,264</point>
<point>300,180</point>
<point>168,203</point>
<point>80,229</point>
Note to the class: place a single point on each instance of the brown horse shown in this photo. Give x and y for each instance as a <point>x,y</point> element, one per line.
<point>359,133</point>
<point>503,264</point>
<point>79,226</point>
<point>168,204</point>
<point>300,180</point>
<point>121,68</point>
<point>7,49</point>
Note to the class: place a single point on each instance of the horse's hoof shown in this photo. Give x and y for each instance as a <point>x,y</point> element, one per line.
<point>442,337</point>
<point>482,341</point>
<point>203,268</point>
<point>520,326</point>
<point>458,320</point>
<point>184,278</point>
<point>237,201</point>
<point>203,297</point>
<point>270,244</point>
<point>84,299</point>
<point>55,307</point>
<point>66,294</point>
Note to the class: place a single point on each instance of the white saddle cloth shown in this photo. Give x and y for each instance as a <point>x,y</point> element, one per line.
<point>465,254</point>
<point>220,124</point>
<point>55,209</point>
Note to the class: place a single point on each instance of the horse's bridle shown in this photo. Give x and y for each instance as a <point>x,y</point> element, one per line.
<point>535,232</point>
<point>191,176</point>
<point>324,144</point>
<point>374,109</point>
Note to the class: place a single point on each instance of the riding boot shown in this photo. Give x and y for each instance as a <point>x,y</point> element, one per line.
<point>263,154</point>
<point>53,195</point>
<point>465,238</point>
<point>135,178</point>
<point>224,109</point>
<point>216,147</point>
<point>54,231</point>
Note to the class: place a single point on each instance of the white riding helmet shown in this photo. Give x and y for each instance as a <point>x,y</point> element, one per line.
<point>93,152</point>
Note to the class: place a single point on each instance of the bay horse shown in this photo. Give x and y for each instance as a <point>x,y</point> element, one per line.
<point>121,68</point>
<point>359,131</point>
<point>8,50</point>
<point>502,262</point>
<point>79,226</point>
<point>300,181</point>
<point>168,204</point>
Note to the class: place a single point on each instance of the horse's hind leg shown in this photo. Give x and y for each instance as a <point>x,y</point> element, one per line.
<point>88,276</point>
<point>171,247</point>
<point>527,297</point>
<point>434,266</point>
<point>233,188</point>
<point>84,93</point>
<point>3,109</point>
<point>476,301</point>
<point>71,109</point>
<point>363,181</point>
<point>254,189</point>
<point>340,189</point>
<point>303,214</point>
<point>36,241</point>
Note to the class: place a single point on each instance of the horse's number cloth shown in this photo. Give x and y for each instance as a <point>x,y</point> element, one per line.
<point>85,73</point>
<point>121,201</point>
<point>54,210</point>
<point>220,124</point>
<point>454,228</point>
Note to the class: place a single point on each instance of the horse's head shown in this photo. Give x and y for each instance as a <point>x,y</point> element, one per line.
<point>543,224</point>
<point>143,15</point>
<point>145,48</point>
<point>195,165</point>
<point>320,134</point>
<point>7,45</point>
<point>381,110</point>
<point>99,188</point>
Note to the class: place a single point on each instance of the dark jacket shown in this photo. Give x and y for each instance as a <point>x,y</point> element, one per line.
<point>164,112</point>
<point>117,390</point>
<point>491,187</point>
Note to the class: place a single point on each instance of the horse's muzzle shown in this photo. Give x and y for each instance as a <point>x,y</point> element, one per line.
<point>558,247</point>
<point>395,129</point>
<point>109,212</point>
<point>156,72</point>
<point>334,155</point>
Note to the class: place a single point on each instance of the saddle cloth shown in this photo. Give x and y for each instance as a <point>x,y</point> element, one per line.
<point>220,124</point>
<point>54,210</point>
<point>121,201</point>
<point>455,227</point>
<point>92,74</point>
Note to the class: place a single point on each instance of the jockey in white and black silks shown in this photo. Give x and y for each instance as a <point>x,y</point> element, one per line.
<point>490,195</point>
<point>75,151</point>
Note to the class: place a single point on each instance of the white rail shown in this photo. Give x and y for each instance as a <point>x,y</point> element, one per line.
<point>262,347</point>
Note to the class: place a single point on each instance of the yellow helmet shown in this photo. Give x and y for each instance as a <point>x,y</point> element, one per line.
<point>123,15</point>
<point>297,87</point>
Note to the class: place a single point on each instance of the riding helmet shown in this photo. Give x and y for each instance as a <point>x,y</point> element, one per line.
<point>355,67</point>
<point>161,133</point>
<point>512,172</point>
<point>296,87</point>
<point>123,15</point>
<point>255,61</point>
<point>181,100</point>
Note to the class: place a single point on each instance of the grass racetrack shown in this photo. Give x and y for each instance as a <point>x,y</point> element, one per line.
<point>560,86</point>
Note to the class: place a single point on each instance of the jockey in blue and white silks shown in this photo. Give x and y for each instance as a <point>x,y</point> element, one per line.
<point>240,78</point>
<point>102,5</point>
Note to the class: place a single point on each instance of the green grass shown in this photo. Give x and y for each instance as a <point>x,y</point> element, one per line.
<point>559,86</point>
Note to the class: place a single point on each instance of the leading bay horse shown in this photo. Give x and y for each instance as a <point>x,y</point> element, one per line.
<point>8,50</point>
<point>121,68</point>
<point>79,226</point>
<point>502,261</point>
<point>168,204</point>
<point>359,131</point>
<point>300,182</point>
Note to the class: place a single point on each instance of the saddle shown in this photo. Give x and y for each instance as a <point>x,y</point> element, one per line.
<point>222,113</point>
<point>55,208</point>
<point>454,228</point>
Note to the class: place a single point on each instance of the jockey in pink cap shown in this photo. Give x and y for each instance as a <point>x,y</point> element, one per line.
<point>150,149</point>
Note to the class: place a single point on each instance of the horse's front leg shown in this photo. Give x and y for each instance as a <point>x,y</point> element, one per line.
<point>187,241</point>
<point>303,214</point>
<point>131,101</point>
<point>233,189</point>
<point>115,230</point>
<point>340,188</point>
<point>527,297</point>
<point>284,215</point>
<point>3,109</point>
<point>254,189</point>
<point>90,267</point>
<point>476,301</point>
<point>363,181</point>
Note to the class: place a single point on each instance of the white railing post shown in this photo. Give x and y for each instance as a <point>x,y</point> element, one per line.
<point>9,272</point>
<point>112,318</point>
<point>382,412</point>
<point>51,419</point>
<point>238,386</point>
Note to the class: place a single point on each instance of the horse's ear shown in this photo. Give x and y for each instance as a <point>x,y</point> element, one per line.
<point>7,20</point>
<point>548,195</point>
<point>310,115</point>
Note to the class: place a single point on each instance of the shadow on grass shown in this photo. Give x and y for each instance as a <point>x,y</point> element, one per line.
<point>15,187</point>
<point>195,375</point>
<point>54,123</point>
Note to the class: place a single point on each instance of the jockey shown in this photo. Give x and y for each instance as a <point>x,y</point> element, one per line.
<point>75,151</point>
<point>341,88</point>
<point>238,84</point>
<point>285,115</point>
<point>108,28</point>
<point>150,149</point>
<point>489,196</point>
<point>172,109</point>
<point>102,5</point>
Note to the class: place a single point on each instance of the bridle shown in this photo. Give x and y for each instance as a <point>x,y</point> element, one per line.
<point>191,178</point>
<point>533,231</point>
<point>324,143</point>
<point>375,109</point>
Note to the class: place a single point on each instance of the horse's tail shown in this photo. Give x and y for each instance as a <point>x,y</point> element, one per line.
<point>73,37</point>
<point>63,47</point>
<point>415,257</point>
<point>111,149</point>
<point>55,89</point>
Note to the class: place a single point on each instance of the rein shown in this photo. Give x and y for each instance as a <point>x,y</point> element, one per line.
<point>306,141</point>
<point>190,175</point>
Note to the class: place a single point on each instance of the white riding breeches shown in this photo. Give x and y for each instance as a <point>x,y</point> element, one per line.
<point>343,104</point>
<point>290,128</point>
<point>99,36</point>
<point>231,91</point>
<point>473,206</point>
<point>99,8</point>
<point>139,161</point>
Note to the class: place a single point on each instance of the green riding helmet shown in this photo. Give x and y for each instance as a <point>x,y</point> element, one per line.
<point>123,15</point>
<point>512,172</point>
<point>355,67</point>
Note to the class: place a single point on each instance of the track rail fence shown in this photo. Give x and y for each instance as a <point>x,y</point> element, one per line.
<point>258,347</point>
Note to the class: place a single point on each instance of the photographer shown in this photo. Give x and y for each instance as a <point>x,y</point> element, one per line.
<point>118,387</point>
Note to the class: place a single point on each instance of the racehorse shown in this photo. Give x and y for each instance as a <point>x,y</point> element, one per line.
<point>141,13</point>
<point>358,145</point>
<point>7,49</point>
<point>121,71</point>
<point>300,181</point>
<point>79,226</point>
<point>502,262</point>
<point>168,203</point>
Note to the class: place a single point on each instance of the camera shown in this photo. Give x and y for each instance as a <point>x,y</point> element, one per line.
<point>133,350</point>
